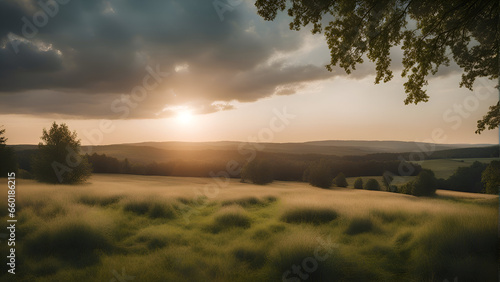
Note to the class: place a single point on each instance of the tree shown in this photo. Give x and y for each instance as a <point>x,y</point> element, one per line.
<point>258,171</point>
<point>319,174</point>
<point>58,159</point>
<point>425,184</point>
<point>358,184</point>
<point>340,180</point>
<point>466,29</point>
<point>467,179</point>
<point>491,177</point>
<point>372,184</point>
<point>7,157</point>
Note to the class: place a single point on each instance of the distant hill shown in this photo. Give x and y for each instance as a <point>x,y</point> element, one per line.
<point>327,147</point>
<point>147,152</point>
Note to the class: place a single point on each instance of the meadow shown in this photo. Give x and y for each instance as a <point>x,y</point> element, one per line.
<point>156,228</point>
<point>444,168</point>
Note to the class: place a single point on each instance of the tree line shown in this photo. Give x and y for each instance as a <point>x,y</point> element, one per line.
<point>58,160</point>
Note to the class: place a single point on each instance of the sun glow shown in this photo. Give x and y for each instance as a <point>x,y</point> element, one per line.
<point>184,116</point>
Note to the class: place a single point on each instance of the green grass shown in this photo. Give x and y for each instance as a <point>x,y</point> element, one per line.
<point>312,215</point>
<point>249,233</point>
<point>94,200</point>
<point>359,225</point>
<point>72,241</point>
<point>444,168</point>
<point>230,217</point>
<point>152,208</point>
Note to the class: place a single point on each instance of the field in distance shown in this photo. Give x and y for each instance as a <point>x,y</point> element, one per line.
<point>444,168</point>
<point>156,228</point>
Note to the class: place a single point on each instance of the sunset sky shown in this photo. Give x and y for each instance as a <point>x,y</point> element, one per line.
<point>134,71</point>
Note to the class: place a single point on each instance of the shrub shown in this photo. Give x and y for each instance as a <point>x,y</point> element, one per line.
<point>359,225</point>
<point>340,180</point>
<point>372,184</point>
<point>425,184</point>
<point>312,215</point>
<point>406,188</point>
<point>320,175</point>
<point>358,184</point>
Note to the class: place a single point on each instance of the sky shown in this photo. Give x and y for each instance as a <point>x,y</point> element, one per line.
<point>124,71</point>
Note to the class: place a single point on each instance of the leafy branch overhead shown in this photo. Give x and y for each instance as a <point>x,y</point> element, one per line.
<point>428,31</point>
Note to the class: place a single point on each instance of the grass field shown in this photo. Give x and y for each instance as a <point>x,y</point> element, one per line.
<point>153,228</point>
<point>444,168</point>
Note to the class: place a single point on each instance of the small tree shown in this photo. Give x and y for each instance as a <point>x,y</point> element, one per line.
<point>7,157</point>
<point>425,184</point>
<point>372,184</point>
<point>358,184</point>
<point>340,180</point>
<point>491,177</point>
<point>320,175</point>
<point>258,171</point>
<point>58,159</point>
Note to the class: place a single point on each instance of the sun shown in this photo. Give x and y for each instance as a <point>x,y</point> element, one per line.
<point>184,116</point>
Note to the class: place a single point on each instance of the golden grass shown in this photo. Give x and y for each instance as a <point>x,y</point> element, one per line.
<point>170,228</point>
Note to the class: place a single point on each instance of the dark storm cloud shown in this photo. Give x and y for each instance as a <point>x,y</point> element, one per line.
<point>91,53</point>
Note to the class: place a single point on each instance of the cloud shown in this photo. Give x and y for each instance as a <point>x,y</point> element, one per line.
<point>91,53</point>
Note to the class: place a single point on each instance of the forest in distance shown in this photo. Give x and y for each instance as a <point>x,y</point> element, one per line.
<point>282,166</point>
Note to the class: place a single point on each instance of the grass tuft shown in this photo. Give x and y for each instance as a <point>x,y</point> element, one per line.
<point>93,200</point>
<point>303,248</point>
<point>74,242</point>
<point>152,208</point>
<point>312,215</point>
<point>244,202</point>
<point>359,225</point>
<point>255,258</point>
<point>229,217</point>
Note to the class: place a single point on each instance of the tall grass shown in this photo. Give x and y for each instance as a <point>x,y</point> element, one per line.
<point>152,208</point>
<point>74,233</point>
<point>359,225</point>
<point>314,215</point>
<point>95,200</point>
<point>70,241</point>
<point>230,217</point>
